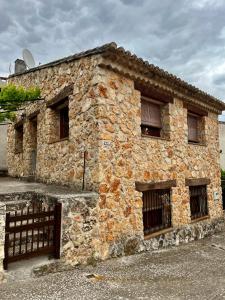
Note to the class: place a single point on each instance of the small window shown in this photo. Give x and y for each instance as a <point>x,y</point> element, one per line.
<point>151,123</point>
<point>59,121</point>
<point>156,210</point>
<point>19,139</point>
<point>64,122</point>
<point>193,128</point>
<point>198,201</point>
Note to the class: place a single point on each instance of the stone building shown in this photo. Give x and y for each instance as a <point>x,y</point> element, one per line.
<point>222,144</point>
<point>145,141</point>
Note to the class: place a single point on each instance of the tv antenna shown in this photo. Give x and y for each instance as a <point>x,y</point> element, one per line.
<point>10,69</point>
<point>28,59</point>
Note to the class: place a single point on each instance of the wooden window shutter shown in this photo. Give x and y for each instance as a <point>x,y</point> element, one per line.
<point>150,114</point>
<point>192,128</point>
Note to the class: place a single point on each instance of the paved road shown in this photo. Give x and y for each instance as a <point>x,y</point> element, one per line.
<point>193,271</point>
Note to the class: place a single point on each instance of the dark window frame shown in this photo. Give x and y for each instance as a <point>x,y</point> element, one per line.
<point>151,129</point>
<point>64,122</point>
<point>19,137</point>
<point>61,120</point>
<point>157,210</point>
<point>197,119</point>
<point>198,201</point>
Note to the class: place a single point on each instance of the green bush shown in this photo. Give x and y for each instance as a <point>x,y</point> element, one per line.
<point>12,97</point>
<point>222,174</point>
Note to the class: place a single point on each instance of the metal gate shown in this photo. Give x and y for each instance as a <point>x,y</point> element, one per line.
<point>32,231</point>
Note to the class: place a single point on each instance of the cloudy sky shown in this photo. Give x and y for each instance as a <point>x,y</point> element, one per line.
<point>185,37</point>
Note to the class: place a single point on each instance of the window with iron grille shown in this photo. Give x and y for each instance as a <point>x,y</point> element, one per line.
<point>156,210</point>
<point>198,201</point>
<point>19,139</point>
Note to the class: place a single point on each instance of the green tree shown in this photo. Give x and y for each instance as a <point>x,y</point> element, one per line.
<point>12,97</point>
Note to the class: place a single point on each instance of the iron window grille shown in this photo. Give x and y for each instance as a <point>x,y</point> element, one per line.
<point>198,201</point>
<point>156,210</point>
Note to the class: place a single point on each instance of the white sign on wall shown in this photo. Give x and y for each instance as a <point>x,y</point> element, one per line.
<point>216,196</point>
<point>107,144</point>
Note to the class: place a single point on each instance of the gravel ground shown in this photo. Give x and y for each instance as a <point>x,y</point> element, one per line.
<point>192,271</point>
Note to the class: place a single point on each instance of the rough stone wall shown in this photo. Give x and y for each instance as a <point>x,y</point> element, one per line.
<point>222,144</point>
<point>60,161</point>
<point>184,234</point>
<point>79,222</point>
<point>79,227</point>
<point>125,157</point>
<point>3,146</point>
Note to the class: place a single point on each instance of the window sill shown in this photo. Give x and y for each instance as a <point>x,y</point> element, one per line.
<point>197,144</point>
<point>155,234</point>
<point>60,140</point>
<point>155,137</point>
<point>200,219</point>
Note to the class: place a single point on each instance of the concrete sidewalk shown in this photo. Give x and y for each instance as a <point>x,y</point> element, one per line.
<point>9,185</point>
<point>192,271</point>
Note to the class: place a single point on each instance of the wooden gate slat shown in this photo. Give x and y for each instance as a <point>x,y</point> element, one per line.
<point>31,216</point>
<point>57,231</point>
<point>25,228</point>
<point>46,250</point>
<point>30,226</point>
<point>5,261</point>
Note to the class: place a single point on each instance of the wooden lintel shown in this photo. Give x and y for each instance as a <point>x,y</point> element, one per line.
<point>33,114</point>
<point>146,186</point>
<point>197,181</point>
<point>196,110</point>
<point>62,95</point>
<point>19,124</point>
<point>154,93</point>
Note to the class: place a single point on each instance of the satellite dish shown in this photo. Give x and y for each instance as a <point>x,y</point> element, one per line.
<point>28,58</point>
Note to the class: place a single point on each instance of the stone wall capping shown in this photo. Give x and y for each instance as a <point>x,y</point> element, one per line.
<point>146,186</point>
<point>197,181</point>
